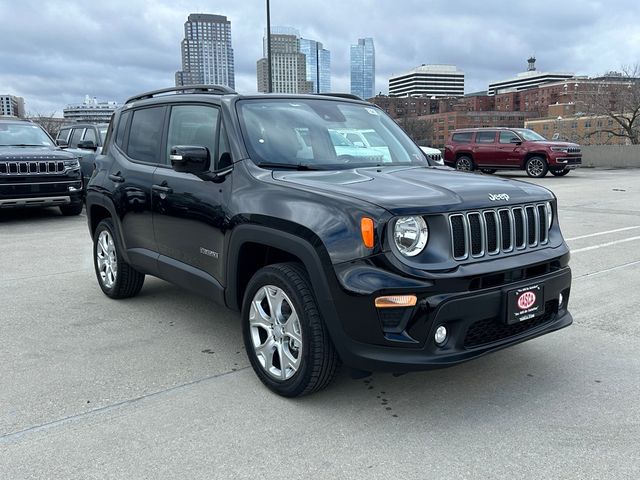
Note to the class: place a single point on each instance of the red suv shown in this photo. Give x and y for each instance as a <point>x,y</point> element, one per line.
<point>491,149</point>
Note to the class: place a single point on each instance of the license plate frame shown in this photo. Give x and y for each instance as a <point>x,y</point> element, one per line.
<point>525,303</point>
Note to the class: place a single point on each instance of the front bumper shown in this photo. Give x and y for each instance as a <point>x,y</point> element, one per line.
<point>565,161</point>
<point>475,322</point>
<point>37,192</point>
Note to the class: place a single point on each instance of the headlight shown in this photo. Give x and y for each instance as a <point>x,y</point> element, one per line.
<point>72,163</point>
<point>560,149</point>
<point>549,215</point>
<point>410,234</point>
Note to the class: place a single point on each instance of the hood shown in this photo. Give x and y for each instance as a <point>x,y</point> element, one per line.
<point>404,190</point>
<point>34,153</point>
<point>553,143</point>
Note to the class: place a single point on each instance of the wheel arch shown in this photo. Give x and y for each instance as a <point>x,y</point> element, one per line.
<point>99,208</point>
<point>534,154</point>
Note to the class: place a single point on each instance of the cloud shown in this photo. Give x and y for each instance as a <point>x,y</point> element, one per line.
<point>55,53</point>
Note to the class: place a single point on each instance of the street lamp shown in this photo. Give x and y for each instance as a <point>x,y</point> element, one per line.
<point>269,80</point>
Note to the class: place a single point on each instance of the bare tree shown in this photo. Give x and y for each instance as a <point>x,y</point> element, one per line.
<point>49,122</point>
<point>618,100</point>
<point>420,131</point>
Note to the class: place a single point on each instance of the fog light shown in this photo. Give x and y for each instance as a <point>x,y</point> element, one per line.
<point>394,301</point>
<point>560,300</point>
<point>441,335</point>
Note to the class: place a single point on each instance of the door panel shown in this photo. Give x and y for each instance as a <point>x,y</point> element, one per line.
<point>484,148</point>
<point>509,154</point>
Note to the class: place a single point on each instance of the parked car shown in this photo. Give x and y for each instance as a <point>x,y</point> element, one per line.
<point>491,149</point>
<point>85,140</point>
<point>34,172</point>
<point>396,266</point>
<point>433,154</point>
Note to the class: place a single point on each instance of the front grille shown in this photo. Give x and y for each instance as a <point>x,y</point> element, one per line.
<point>573,150</point>
<point>436,157</point>
<point>492,330</point>
<point>493,231</point>
<point>31,167</point>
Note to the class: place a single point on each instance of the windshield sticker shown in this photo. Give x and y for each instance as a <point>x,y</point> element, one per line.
<point>372,111</point>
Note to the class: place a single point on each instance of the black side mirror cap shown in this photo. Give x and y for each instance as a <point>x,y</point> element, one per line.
<point>87,145</point>
<point>517,141</point>
<point>190,158</point>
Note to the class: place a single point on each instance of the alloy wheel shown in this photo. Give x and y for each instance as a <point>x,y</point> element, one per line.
<point>107,259</point>
<point>463,164</point>
<point>275,332</point>
<point>535,167</point>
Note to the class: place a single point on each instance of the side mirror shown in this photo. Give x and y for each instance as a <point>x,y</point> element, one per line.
<point>517,141</point>
<point>358,144</point>
<point>61,142</point>
<point>87,145</point>
<point>190,158</point>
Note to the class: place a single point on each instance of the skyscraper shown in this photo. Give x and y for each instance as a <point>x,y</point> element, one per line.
<point>363,68</point>
<point>288,64</point>
<point>318,60</point>
<point>207,55</point>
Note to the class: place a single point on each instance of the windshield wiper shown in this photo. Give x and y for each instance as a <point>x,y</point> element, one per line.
<point>288,166</point>
<point>25,145</point>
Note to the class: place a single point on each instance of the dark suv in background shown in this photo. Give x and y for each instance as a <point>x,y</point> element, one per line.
<point>491,149</point>
<point>85,140</point>
<point>34,172</point>
<point>383,261</point>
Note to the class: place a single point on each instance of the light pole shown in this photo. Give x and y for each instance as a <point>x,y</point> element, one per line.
<point>269,80</point>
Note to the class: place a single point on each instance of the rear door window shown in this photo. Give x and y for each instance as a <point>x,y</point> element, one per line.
<point>486,137</point>
<point>145,134</point>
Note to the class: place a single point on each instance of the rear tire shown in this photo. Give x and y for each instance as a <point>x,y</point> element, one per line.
<point>536,167</point>
<point>488,171</point>
<point>71,209</point>
<point>560,173</point>
<point>116,277</point>
<point>285,337</point>
<point>464,164</point>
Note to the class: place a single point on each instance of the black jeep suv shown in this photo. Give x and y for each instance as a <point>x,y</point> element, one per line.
<point>375,259</point>
<point>34,172</point>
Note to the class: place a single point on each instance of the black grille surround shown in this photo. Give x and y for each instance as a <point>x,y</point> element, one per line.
<point>35,166</point>
<point>487,232</point>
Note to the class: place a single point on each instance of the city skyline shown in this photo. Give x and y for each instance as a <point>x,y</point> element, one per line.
<point>138,48</point>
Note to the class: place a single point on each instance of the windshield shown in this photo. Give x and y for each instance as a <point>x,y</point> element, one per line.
<point>23,134</point>
<point>318,134</point>
<point>530,135</point>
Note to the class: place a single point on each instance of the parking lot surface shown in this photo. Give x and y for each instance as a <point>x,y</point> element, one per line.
<point>159,386</point>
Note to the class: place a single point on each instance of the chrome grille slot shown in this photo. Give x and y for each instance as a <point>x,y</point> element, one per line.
<point>459,236</point>
<point>492,232</point>
<point>476,234</point>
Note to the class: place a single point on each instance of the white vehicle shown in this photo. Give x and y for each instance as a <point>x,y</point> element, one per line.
<point>433,154</point>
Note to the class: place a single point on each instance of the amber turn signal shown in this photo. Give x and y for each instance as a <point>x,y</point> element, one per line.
<point>396,301</point>
<point>366,228</point>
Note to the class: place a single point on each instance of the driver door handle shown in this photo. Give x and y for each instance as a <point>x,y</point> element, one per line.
<point>162,189</point>
<point>116,178</point>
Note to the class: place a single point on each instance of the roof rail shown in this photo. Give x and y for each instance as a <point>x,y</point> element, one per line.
<point>341,95</point>
<point>213,89</point>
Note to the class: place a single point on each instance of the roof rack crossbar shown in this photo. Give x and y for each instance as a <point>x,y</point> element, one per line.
<point>340,95</point>
<point>213,89</point>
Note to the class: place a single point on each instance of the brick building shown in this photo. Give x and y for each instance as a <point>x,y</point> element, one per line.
<point>397,107</point>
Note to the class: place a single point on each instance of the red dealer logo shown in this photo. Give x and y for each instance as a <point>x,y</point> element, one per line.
<point>526,300</point>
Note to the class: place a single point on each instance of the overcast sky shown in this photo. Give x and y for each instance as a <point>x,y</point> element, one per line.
<point>54,53</point>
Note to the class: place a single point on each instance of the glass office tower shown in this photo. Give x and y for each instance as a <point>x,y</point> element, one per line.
<point>363,68</point>
<point>318,65</point>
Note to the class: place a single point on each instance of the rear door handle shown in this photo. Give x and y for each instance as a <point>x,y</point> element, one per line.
<point>116,178</point>
<point>162,189</point>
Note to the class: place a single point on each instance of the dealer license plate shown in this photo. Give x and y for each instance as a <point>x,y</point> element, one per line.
<point>525,303</point>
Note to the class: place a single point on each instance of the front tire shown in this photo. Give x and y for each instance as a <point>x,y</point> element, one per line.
<point>560,173</point>
<point>285,337</point>
<point>464,164</point>
<point>536,167</point>
<point>488,171</point>
<point>116,277</point>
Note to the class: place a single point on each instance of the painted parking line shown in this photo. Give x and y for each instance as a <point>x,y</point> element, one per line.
<point>603,233</point>
<point>608,244</point>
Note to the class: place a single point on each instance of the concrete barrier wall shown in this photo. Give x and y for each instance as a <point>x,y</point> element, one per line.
<point>611,156</point>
